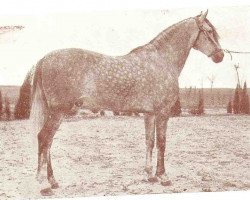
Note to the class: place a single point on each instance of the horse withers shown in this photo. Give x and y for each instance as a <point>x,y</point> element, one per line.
<point>144,80</point>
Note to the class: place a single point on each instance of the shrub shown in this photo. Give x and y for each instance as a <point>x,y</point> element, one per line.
<point>245,101</point>
<point>199,109</point>
<point>229,107</point>
<point>7,109</point>
<point>236,102</point>
<point>201,104</point>
<point>176,109</point>
<point>1,104</point>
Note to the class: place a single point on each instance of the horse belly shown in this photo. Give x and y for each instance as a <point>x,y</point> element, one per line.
<point>123,93</point>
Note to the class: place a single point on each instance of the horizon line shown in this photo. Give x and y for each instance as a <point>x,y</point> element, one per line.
<point>179,87</point>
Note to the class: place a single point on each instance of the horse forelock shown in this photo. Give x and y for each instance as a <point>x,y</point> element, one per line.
<point>215,33</point>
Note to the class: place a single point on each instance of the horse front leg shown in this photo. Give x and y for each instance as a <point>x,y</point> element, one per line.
<point>161,127</point>
<point>149,120</point>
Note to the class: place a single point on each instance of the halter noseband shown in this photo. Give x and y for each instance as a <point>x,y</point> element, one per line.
<point>201,29</point>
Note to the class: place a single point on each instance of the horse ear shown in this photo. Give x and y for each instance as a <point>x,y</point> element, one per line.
<point>203,16</point>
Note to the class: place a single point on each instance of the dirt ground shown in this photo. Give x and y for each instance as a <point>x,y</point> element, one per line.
<point>106,156</point>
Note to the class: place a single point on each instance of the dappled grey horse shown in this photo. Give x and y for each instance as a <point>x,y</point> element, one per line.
<point>145,80</point>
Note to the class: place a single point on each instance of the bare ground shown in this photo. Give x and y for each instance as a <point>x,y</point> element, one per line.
<point>106,156</point>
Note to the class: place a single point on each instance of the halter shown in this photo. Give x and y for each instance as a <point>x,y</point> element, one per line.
<point>201,29</point>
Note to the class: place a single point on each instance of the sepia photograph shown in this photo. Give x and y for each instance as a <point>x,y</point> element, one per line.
<point>113,101</point>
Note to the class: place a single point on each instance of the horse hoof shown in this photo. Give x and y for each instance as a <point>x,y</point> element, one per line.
<point>47,192</point>
<point>153,179</point>
<point>55,186</point>
<point>166,183</point>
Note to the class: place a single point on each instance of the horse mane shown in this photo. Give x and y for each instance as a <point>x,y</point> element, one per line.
<point>165,33</point>
<point>162,35</point>
<point>136,49</point>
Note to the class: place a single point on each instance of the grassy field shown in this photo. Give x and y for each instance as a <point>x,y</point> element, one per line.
<point>106,156</point>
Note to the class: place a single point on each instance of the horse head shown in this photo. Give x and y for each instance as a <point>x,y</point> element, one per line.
<point>207,40</point>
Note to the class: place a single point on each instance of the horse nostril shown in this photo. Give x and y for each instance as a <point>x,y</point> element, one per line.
<point>218,57</point>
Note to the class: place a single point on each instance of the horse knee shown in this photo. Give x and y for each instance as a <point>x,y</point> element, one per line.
<point>161,142</point>
<point>150,143</point>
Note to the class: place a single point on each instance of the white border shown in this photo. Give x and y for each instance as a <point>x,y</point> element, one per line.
<point>55,6</point>
<point>15,7</point>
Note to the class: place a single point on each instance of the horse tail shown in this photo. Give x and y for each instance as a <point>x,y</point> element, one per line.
<point>39,106</point>
<point>23,105</point>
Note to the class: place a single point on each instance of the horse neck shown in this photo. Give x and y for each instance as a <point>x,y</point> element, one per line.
<point>175,43</point>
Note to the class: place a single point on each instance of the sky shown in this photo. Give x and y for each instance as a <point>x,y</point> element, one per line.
<point>116,32</point>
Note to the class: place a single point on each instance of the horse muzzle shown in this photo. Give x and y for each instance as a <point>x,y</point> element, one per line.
<point>218,56</point>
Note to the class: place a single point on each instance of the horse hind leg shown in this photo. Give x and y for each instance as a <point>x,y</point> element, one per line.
<point>150,140</point>
<point>54,184</point>
<point>45,138</point>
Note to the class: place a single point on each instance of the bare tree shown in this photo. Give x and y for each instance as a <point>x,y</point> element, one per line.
<point>237,73</point>
<point>211,78</point>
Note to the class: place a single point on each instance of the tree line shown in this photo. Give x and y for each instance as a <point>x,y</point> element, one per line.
<point>240,103</point>
<point>192,99</point>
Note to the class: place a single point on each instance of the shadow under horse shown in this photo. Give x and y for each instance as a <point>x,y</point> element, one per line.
<point>144,80</point>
